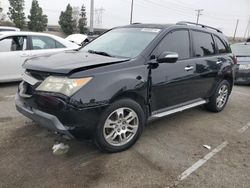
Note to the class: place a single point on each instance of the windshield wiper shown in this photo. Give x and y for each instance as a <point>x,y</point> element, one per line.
<point>99,53</point>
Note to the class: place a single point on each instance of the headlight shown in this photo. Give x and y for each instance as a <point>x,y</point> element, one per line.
<point>63,85</point>
<point>244,67</point>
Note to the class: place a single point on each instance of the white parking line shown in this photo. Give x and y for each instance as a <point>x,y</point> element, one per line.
<point>243,129</point>
<point>202,161</point>
<point>9,96</point>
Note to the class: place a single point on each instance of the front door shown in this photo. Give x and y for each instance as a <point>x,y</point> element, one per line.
<point>13,52</point>
<point>173,83</point>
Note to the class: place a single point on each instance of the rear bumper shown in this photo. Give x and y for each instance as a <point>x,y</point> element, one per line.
<point>45,120</point>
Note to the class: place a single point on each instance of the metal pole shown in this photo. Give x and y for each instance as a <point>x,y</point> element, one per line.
<point>247,29</point>
<point>91,28</point>
<point>132,10</point>
<point>198,14</point>
<point>236,28</point>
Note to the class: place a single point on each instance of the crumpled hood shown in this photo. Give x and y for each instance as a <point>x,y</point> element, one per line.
<point>243,60</point>
<point>67,61</point>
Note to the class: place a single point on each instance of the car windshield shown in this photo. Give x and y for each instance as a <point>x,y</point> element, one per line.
<point>122,42</point>
<point>241,49</point>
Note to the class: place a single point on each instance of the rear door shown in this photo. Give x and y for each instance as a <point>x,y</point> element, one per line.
<point>13,52</point>
<point>44,45</point>
<point>173,83</point>
<point>206,62</point>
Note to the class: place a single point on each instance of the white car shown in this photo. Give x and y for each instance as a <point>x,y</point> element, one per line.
<point>78,39</point>
<point>16,47</point>
<point>4,28</point>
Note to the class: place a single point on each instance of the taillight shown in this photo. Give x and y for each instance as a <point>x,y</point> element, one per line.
<point>235,59</point>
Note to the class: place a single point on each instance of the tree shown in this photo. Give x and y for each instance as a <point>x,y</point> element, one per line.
<point>66,20</point>
<point>38,21</point>
<point>82,23</point>
<point>16,13</point>
<point>2,16</point>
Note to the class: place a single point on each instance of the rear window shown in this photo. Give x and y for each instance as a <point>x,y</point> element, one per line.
<point>203,44</point>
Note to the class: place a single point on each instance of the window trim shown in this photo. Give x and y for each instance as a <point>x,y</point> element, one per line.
<point>193,45</point>
<point>154,51</point>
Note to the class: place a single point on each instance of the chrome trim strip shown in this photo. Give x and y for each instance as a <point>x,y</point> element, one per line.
<point>29,79</point>
<point>179,109</point>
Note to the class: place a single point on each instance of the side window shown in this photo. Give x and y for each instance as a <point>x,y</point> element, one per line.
<point>16,43</point>
<point>203,44</point>
<point>42,43</point>
<point>221,46</point>
<point>176,41</point>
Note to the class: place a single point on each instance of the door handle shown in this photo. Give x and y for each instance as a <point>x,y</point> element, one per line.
<point>188,68</point>
<point>24,54</point>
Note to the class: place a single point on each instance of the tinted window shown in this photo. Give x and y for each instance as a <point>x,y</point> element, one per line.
<point>42,42</point>
<point>176,41</point>
<point>203,44</point>
<point>221,46</point>
<point>13,44</point>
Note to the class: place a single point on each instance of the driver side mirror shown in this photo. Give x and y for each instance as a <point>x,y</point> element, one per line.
<point>168,57</point>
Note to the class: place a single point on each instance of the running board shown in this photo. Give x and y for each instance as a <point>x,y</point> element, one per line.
<point>179,109</point>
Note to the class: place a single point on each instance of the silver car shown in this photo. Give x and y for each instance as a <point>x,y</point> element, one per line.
<point>16,47</point>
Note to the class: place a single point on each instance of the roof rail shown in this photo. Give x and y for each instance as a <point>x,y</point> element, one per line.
<point>201,25</point>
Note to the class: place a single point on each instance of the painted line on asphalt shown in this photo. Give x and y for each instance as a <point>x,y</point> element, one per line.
<point>243,129</point>
<point>202,161</point>
<point>241,93</point>
<point>9,96</point>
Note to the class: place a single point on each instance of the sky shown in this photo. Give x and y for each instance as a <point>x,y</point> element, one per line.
<point>222,14</point>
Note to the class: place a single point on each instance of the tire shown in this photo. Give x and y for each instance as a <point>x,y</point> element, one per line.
<point>120,126</point>
<point>218,100</point>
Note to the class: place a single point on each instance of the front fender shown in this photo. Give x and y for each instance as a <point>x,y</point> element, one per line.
<point>106,86</point>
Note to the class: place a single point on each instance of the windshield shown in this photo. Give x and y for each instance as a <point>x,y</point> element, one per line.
<point>241,49</point>
<point>122,42</point>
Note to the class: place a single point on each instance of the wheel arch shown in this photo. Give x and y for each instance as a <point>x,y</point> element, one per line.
<point>136,97</point>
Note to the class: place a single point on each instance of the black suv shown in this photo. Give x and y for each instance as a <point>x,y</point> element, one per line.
<point>110,88</point>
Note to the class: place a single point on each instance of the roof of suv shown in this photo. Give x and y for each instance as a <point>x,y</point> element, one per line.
<point>179,24</point>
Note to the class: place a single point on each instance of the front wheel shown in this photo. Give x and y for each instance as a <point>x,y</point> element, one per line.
<point>219,99</point>
<point>120,126</point>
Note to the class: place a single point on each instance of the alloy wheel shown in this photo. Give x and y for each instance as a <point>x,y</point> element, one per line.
<point>222,96</point>
<point>121,126</point>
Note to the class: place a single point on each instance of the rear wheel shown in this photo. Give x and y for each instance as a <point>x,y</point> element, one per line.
<point>219,99</point>
<point>120,126</point>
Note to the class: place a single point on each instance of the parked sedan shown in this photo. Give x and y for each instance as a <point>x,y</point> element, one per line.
<point>242,52</point>
<point>16,47</point>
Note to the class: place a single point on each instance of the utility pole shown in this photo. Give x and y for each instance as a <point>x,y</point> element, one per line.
<point>247,29</point>
<point>91,28</point>
<point>237,23</point>
<point>132,10</point>
<point>198,14</point>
